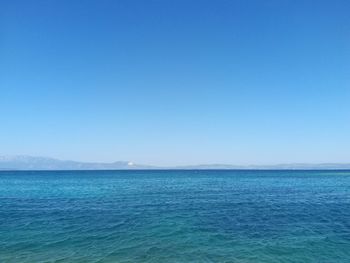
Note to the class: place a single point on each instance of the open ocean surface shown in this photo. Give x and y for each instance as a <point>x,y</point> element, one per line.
<point>175,216</point>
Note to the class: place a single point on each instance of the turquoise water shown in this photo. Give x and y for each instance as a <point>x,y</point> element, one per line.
<point>175,216</point>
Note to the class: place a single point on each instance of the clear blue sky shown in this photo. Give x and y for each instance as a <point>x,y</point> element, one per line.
<point>176,82</point>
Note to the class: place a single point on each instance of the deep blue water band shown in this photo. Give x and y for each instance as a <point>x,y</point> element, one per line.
<point>175,216</point>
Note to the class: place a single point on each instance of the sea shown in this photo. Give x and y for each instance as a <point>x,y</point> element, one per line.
<point>243,216</point>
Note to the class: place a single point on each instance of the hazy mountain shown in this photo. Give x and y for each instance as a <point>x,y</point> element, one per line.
<point>292,166</point>
<point>24,162</point>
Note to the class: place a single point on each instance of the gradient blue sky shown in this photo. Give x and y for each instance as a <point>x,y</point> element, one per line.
<point>176,82</point>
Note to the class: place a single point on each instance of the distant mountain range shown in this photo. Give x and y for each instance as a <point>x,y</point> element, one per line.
<point>24,162</point>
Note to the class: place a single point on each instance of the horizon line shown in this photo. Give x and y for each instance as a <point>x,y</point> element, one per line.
<point>29,162</point>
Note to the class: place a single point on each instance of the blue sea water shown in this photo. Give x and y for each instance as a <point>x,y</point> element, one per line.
<point>175,216</point>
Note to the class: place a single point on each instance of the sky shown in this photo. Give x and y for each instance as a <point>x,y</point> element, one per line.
<point>176,82</point>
